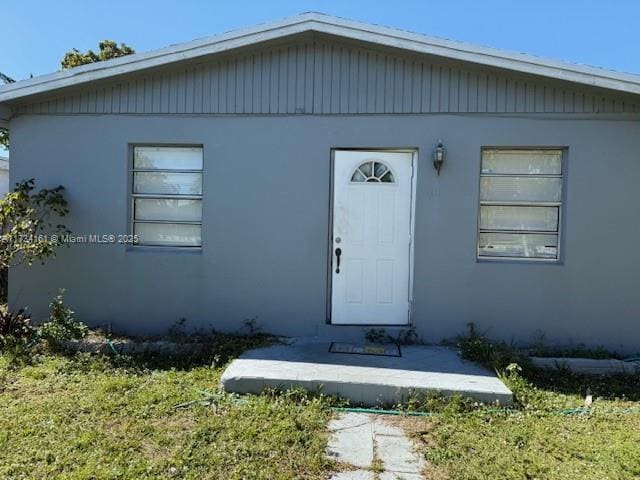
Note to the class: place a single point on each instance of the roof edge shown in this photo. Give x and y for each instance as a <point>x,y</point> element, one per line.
<point>390,37</point>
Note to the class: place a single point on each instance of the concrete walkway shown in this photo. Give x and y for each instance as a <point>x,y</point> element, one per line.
<point>374,449</point>
<point>363,379</point>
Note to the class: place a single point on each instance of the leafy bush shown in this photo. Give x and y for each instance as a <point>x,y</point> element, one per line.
<point>4,284</point>
<point>376,335</point>
<point>16,330</point>
<point>496,355</point>
<point>407,336</point>
<point>27,231</point>
<point>62,325</point>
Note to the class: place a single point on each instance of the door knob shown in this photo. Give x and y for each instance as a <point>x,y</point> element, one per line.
<point>338,253</point>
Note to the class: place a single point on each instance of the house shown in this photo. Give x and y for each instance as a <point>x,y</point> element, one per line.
<point>325,177</point>
<point>4,175</point>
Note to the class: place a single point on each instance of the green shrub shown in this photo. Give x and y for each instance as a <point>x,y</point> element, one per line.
<point>495,355</point>
<point>16,331</point>
<point>28,230</point>
<point>62,325</point>
<point>407,336</point>
<point>377,335</point>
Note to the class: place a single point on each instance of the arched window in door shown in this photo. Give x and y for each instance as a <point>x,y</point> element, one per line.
<point>372,171</point>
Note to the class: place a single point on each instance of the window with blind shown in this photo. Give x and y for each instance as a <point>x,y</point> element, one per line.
<point>167,196</point>
<point>520,204</point>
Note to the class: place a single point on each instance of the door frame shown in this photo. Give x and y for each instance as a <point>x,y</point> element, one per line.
<point>412,213</point>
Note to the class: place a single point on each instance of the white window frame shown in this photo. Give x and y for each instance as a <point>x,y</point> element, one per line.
<point>135,196</point>
<point>559,204</point>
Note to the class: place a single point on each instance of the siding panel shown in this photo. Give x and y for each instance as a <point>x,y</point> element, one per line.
<point>323,76</point>
<point>265,91</point>
<point>309,78</point>
<point>376,71</point>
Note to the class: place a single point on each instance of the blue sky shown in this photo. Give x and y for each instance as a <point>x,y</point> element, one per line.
<point>36,33</point>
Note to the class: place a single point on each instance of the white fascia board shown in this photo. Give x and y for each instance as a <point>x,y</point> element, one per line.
<point>518,62</point>
<point>316,22</point>
<point>139,61</point>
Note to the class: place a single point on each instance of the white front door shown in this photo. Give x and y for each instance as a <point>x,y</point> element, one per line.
<point>371,242</point>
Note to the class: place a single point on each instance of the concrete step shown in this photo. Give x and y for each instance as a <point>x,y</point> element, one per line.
<point>368,380</point>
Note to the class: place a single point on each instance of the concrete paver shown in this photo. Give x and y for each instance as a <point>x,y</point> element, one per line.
<point>397,455</point>
<point>354,475</point>
<point>399,476</point>
<point>360,440</point>
<point>352,440</point>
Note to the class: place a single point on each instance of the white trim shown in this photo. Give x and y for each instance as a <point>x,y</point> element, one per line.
<point>412,230</point>
<point>316,22</point>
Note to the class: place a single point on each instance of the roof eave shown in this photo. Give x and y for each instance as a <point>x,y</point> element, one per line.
<point>487,56</point>
<point>333,26</point>
<point>136,62</point>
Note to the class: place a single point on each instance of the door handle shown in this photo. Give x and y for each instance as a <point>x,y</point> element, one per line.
<point>338,253</point>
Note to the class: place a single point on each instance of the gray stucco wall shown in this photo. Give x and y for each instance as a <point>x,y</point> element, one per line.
<point>266,219</point>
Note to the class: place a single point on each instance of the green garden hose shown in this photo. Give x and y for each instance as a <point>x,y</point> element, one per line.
<point>376,411</point>
<point>570,411</point>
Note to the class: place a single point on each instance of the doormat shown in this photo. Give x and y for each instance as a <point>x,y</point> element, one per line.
<point>389,350</point>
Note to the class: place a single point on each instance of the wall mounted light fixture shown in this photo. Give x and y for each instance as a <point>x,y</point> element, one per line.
<point>439,154</point>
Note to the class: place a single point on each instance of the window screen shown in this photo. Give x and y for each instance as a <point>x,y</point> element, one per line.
<point>520,204</point>
<point>167,196</point>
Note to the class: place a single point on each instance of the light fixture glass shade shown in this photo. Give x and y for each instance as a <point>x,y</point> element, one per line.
<point>439,155</point>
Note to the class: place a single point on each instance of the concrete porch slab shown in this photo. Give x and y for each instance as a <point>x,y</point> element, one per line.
<point>363,379</point>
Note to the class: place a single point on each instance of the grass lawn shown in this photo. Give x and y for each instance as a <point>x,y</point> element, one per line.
<point>536,441</point>
<point>95,417</point>
<point>85,418</point>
